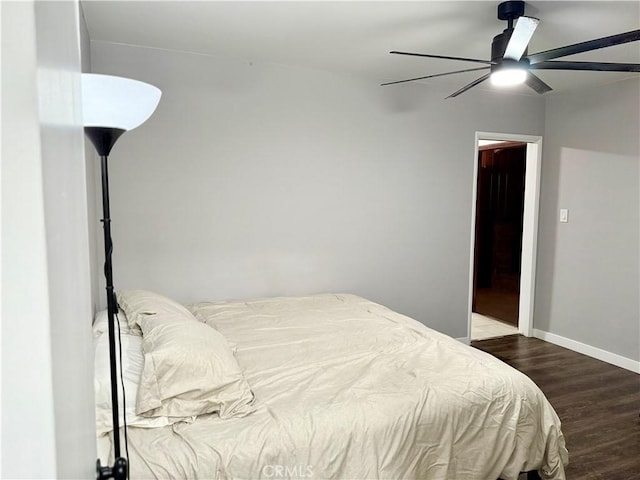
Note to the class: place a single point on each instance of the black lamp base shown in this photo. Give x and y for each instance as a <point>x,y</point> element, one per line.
<point>119,471</point>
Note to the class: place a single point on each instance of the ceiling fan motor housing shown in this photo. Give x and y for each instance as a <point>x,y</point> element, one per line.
<point>499,44</point>
<point>498,47</point>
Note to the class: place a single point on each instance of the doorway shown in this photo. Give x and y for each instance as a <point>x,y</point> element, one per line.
<point>498,243</point>
<point>503,238</point>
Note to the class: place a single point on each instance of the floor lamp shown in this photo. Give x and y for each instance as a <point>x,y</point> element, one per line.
<point>111,106</point>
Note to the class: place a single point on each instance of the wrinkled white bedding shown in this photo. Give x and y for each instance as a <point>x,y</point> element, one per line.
<point>348,389</point>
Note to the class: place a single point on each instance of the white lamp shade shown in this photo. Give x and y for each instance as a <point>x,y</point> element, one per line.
<point>116,102</point>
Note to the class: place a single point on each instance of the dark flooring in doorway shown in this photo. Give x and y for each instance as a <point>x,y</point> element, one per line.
<point>496,303</point>
<point>597,403</point>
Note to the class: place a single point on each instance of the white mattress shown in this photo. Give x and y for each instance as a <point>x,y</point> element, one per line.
<point>348,389</point>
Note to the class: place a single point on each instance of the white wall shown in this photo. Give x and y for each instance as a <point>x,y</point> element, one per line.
<point>258,180</point>
<point>48,423</point>
<point>588,286</point>
<point>92,168</point>
<point>65,201</point>
<point>27,385</point>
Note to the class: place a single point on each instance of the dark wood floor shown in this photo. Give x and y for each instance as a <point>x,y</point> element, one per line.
<point>597,403</point>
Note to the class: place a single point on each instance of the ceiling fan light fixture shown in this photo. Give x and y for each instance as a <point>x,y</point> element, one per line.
<point>511,63</point>
<point>508,76</point>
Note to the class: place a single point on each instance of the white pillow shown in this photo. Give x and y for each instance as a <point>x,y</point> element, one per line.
<point>189,368</point>
<point>141,304</point>
<point>101,324</point>
<point>132,363</point>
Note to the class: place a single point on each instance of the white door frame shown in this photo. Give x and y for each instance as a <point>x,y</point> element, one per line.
<point>529,228</point>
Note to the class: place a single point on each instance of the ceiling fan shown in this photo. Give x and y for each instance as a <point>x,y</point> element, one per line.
<point>510,63</point>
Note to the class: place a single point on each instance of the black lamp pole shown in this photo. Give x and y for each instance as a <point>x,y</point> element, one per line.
<point>103,139</point>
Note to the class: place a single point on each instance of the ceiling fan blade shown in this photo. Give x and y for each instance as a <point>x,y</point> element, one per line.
<point>487,62</point>
<point>520,38</point>
<point>619,39</point>
<point>433,76</point>
<point>597,66</point>
<point>536,84</point>
<point>467,87</point>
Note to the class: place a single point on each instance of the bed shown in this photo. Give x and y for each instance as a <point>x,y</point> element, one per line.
<point>340,388</point>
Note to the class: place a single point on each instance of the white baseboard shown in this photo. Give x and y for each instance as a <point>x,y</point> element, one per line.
<point>595,352</point>
<point>465,340</point>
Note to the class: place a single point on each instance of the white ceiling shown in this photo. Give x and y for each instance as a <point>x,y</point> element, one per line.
<point>355,36</point>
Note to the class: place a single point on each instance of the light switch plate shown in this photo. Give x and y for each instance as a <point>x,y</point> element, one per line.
<point>564,215</point>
